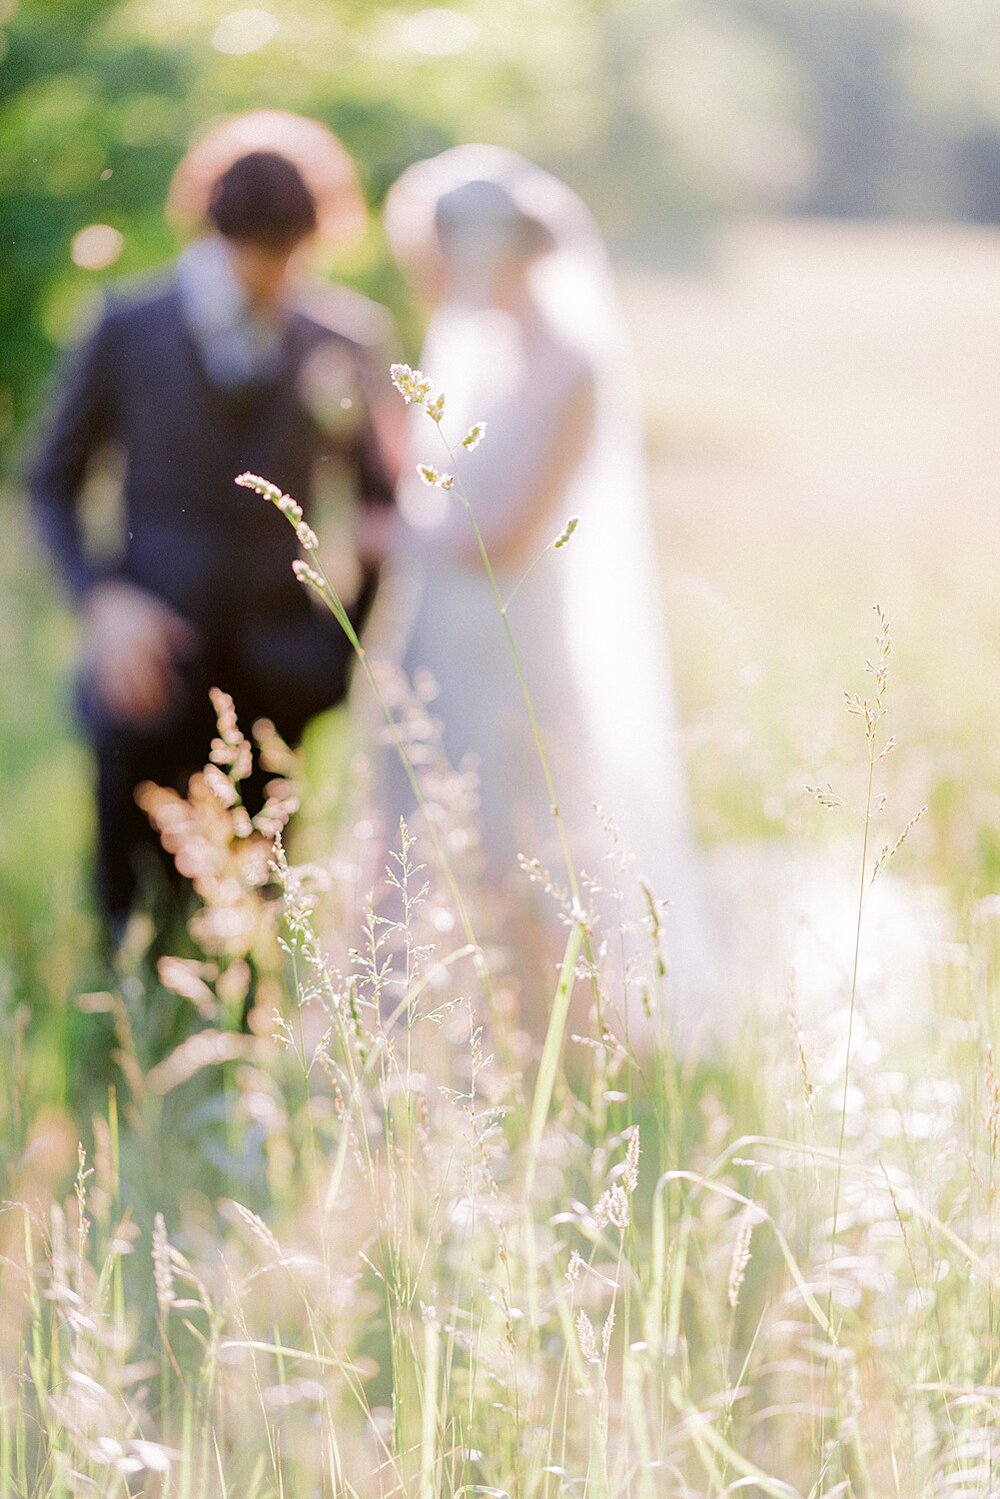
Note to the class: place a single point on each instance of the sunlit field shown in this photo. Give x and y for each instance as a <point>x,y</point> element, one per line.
<point>822,421</point>
<point>384,1239</point>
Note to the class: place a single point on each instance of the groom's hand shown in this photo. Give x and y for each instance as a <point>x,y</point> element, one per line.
<point>132,642</point>
<point>374,533</point>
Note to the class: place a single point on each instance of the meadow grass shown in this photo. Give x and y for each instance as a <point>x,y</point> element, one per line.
<point>385,1264</point>
<point>348,1251</point>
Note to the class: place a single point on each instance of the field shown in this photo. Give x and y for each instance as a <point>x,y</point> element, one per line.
<point>415,1258</point>
<point>823,427</point>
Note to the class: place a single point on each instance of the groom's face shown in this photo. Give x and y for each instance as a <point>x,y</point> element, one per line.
<point>263,270</point>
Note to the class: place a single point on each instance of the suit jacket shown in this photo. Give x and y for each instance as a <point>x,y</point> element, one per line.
<point>218,554</point>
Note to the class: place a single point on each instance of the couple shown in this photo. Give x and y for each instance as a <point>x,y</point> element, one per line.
<point>234,365</point>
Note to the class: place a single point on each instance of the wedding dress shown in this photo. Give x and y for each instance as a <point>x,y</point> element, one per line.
<point>587,619</point>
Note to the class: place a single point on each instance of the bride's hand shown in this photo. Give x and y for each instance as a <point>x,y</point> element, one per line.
<point>517,498</point>
<point>375,532</point>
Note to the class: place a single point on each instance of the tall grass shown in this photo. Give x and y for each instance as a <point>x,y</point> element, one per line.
<point>375,1242</point>
<point>452,1287</point>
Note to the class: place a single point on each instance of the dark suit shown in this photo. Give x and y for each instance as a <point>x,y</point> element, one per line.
<point>217,554</point>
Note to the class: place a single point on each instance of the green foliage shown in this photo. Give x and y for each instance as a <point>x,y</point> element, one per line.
<point>660,114</point>
<point>72,113</point>
<point>100,98</point>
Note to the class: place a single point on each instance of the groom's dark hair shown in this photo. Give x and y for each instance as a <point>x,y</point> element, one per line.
<point>262,200</point>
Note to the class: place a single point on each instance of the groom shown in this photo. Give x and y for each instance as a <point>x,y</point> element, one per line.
<point>217,371</point>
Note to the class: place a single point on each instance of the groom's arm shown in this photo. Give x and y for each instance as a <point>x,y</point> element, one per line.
<point>77,423</point>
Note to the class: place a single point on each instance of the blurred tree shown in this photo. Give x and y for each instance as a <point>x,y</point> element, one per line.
<point>98,99</point>
<point>856,108</point>
<point>662,113</point>
<point>71,154</point>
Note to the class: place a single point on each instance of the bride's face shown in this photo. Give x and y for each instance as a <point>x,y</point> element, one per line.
<point>485,264</point>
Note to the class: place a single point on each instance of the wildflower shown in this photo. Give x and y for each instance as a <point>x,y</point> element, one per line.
<point>588,1343</point>
<point>274,496</point>
<point>433,478</point>
<point>258,1228</point>
<point>263,487</point>
<point>889,851</point>
<point>435,408</point>
<point>229,748</point>
<point>474,436</point>
<point>307,574</point>
<point>307,536</point>
<point>606,1331</point>
<point>826,796</point>
<point>412,384</point>
<point>613,1208</point>
<point>630,1176</point>
<point>566,532</point>
<point>749,1219</point>
<point>808,1088</point>
<point>230,735</point>
<point>992,1114</point>
<point>220,785</point>
<point>163,1270</point>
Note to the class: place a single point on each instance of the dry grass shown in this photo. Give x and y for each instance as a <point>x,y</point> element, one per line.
<point>458,1272</point>
<point>379,1242</point>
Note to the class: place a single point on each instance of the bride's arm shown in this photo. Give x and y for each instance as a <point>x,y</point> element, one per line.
<point>517,480</point>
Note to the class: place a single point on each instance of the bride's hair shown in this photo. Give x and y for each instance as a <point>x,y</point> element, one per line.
<point>485,211</point>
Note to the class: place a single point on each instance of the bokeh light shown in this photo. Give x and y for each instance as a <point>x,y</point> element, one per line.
<point>438,32</point>
<point>244,31</point>
<point>96,247</point>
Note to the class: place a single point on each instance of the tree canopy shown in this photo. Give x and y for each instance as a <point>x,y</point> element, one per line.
<point>661,112</point>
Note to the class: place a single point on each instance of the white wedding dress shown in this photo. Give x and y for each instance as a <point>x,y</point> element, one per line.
<point>456,629</point>
<point>588,620</point>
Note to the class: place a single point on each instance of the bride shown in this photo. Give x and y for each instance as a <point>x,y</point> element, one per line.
<point>525,337</point>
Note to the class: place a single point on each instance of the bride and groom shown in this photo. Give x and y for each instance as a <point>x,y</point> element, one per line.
<point>236,363</point>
